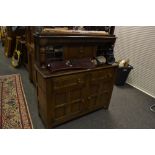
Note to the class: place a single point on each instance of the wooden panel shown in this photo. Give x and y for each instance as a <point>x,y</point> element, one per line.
<point>105,74</point>
<point>100,88</point>
<point>60,113</point>
<point>42,104</point>
<point>104,94</point>
<point>41,82</point>
<point>75,107</point>
<point>68,96</point>
<point>60,105</point>
<point>68,81</point>
<point>74,52</point>
<point>60,98</point>
<point>76,100</point>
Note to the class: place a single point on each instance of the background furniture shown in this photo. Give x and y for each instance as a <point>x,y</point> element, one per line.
<point>30,30</point>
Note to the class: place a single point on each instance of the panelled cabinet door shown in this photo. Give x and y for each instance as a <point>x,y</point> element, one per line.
<point>100,87</point>
<point>68,92</point>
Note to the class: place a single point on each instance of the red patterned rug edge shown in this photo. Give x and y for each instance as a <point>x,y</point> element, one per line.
<point>26,104</point>
<point>24,97</point>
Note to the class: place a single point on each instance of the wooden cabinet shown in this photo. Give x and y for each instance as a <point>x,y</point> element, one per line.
<point>65,96</point>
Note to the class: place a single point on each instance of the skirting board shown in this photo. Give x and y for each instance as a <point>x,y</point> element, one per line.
<point>141,90</point>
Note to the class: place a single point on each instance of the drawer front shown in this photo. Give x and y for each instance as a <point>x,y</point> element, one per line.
<point>102,75</point>
<point>64,82</point>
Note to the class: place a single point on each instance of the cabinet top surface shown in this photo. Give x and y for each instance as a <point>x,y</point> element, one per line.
<point>48,74</point>
<point>74,33</point>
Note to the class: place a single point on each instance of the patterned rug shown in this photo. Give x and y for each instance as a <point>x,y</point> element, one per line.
<point>14,112</point>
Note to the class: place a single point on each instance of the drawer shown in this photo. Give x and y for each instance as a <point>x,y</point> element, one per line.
<point>77,80</point>
<point>102,75</point>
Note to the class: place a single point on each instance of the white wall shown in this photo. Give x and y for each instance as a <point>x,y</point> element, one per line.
<point>138,44</point>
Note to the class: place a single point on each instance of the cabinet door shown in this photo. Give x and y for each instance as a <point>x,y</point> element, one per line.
<point>100,88</point>
<point>68,92</point>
